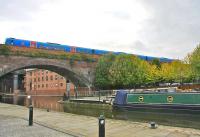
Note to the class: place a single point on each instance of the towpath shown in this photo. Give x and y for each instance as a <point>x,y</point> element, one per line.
<point>78,125</point>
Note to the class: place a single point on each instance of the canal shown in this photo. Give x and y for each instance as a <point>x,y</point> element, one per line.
<point>181,118</point>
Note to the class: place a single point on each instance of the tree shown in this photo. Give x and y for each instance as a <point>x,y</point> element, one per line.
<point>194,60</point>
<point>167,74</point>
<point>102,71</point>
<point>176,71</point>
<point>156,62</point>
<point>154,75</point>
<point>181,71</point>
<point>128,71</point>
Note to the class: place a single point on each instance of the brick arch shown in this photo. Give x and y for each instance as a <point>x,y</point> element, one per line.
<point>80,76</point>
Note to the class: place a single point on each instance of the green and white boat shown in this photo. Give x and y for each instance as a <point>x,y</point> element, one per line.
<point>175,100</point>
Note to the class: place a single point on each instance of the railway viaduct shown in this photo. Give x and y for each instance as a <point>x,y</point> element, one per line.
<point>80,73</point>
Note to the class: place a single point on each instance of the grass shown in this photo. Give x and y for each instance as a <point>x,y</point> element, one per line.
<point>44,53</point>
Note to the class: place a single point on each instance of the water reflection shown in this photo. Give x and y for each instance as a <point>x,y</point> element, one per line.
<point>13,99</point>
<point>46,102</point>
<point>182,118</point>
<point>43,102</point>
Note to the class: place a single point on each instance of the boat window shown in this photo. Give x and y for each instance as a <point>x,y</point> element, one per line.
<point>140,98</point>
<point>170,99</point>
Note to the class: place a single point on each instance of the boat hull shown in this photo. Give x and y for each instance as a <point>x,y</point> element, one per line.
<point>157,106</point>
<point>174,101</point>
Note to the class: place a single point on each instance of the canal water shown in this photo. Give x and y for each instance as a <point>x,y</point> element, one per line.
<point>183,118</point>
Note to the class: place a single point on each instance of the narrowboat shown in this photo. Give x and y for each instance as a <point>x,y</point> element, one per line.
<point>174,100</point>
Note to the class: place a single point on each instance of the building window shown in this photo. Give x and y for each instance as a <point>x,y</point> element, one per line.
<point>39,79</point>
<point>51,77</point>
<point>34,79</point>
<point>56,77</point>
<point>42,78</point>
<point>38,86</point>
<point>46,78</point>
<point>42,72</point>
<point>42,85</point>
<point>46,85</point>
<point>31,73</point>
<point>61,84</point>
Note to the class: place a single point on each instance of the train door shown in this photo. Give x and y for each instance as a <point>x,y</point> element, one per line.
<point>73,49</point>
<point>33,44</point>
<point>11,42</point>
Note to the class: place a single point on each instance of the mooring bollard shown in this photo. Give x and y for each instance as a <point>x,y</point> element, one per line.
<point>101,126</point>
<point>152,125</point>
<point>30,115</point>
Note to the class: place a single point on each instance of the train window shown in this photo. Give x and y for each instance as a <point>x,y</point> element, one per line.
<point>73,49</point>
<point>93,51</point>
<point>22,43</point>
<point>11,42</point>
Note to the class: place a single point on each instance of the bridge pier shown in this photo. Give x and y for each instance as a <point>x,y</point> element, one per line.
<point>15,83</point>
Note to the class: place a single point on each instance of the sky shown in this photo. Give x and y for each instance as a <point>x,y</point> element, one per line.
<point>163,28</point>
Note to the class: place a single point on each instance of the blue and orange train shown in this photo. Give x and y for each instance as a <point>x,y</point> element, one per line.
<point>72,49</point>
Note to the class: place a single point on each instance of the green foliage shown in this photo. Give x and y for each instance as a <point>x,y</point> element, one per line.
<point>194,60</point>
<point>177,71</point>
<point>102,79</point>
<point>121,71</point>
<point>156,62</point>
<point>181,72</point>
<point>4,50</point>
<point>127,71</point>
<point>167,73</point>
<point>153,75</point>
<point>40,53</point>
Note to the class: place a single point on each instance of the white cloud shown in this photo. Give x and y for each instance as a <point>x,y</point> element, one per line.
<point>116,25</point>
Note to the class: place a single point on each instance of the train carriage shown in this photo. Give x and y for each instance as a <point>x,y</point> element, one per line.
<point>72,49</point>
<point>17,42</point>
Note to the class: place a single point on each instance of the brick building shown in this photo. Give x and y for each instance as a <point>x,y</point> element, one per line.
<point>39,82</point>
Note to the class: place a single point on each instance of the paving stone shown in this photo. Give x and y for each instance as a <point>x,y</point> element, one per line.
<point>17,127</point>
<point>79,125</point>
